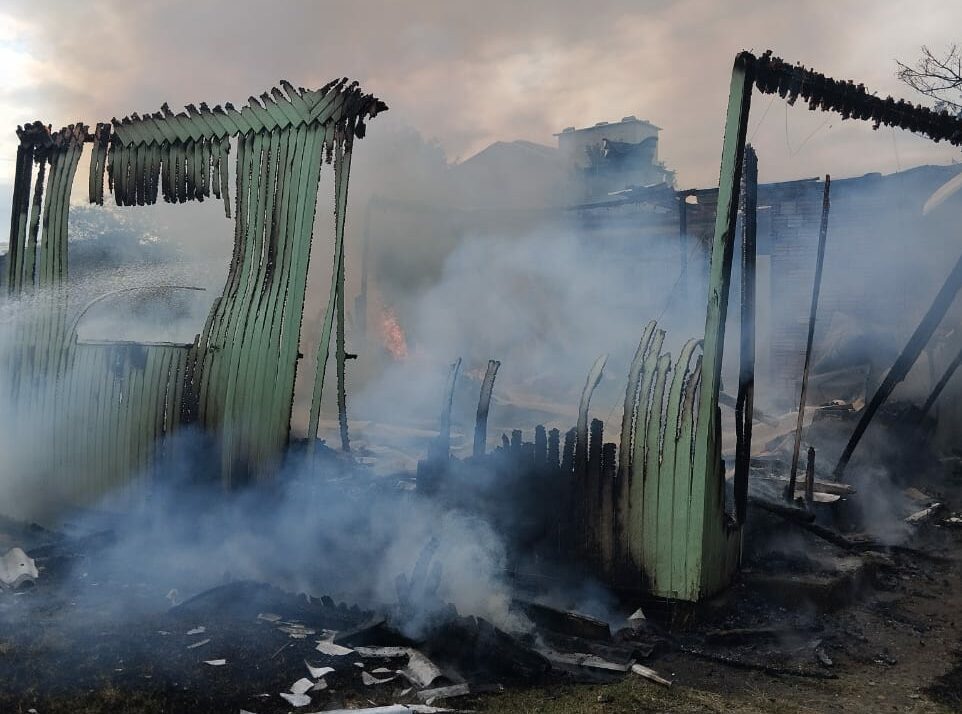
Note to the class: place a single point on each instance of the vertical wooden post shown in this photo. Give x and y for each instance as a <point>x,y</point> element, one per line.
<point>816,288</point>
<point>708,543</point>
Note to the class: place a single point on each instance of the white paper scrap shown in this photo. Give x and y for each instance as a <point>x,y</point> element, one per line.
<point>329,648</point>
<point>296,700</point>
<point>317,672</point>
<point>301,685</point>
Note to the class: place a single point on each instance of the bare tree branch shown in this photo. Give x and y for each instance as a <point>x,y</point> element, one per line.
<point>938,77</point>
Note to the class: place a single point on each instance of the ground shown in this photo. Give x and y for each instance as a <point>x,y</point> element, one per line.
<point>895,647</point>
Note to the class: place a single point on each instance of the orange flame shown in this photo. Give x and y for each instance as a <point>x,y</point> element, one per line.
<point>392,336</point>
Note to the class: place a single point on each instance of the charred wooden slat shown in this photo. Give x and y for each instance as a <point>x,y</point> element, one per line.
<point>744,405</point>
<point>607,507</point>
<point>554,449</point>
<point>484,404</point>
<point>591,512</point>
<point>772,74</point>
<point>540,448</point>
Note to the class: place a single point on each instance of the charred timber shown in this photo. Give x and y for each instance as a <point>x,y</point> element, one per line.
<point>852,101</point>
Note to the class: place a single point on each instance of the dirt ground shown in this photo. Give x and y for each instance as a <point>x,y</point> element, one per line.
<point>895,646</point>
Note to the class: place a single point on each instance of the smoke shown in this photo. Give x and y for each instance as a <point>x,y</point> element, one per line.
<point>545,292</point>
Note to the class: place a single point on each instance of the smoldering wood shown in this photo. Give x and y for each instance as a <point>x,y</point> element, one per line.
<point>924,514</point>
<point>567,622</point>
<point>740,663</point>
<point>813,313</point>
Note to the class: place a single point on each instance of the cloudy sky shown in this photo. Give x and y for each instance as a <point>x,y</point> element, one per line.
<point>467,73</point>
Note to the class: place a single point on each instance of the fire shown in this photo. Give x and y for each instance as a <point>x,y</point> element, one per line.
<point>392,336</point>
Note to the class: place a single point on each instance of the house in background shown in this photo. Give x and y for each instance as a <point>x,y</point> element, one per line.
<point>613,156</point>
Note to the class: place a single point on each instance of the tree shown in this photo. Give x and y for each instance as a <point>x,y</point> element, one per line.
<point>938,77</point>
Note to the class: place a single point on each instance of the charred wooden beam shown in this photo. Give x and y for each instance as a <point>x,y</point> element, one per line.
<point>940,385</point>
<point>920,338</point>
<point>744,405</point>
<point>810,478</point>
<point>773,75</point>
<point>484,404</point>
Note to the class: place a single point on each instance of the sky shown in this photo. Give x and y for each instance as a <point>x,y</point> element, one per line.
<point>466,74</point>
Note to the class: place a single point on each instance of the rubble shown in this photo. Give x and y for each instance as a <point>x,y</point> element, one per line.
<point>650,674</point>
<point>17,569</point>
<point>924,514</point>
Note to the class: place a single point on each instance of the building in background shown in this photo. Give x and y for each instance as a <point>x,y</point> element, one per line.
<point>611,157</point>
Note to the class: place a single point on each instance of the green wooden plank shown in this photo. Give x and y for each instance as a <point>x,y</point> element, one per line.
<point>655,422</point>
<point>636,471</point>
<point>707,478</point>
<point>294,303</point>
<point>276,298</point>
<point>623,477</point>
<point>666,526</point>
<point>243,377</point>
<point>684,584</point>
<point>259,351</point>
<point>342,172</point>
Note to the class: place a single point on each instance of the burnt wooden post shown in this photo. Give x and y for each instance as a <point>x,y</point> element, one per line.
<point>567,516</point>
<point>809,478</point>
<point>554,450</point>
<point>744,404</point>
<point>592,502</point>
<point>816,288</point>
<point>606,520</point>
<point>918,341</point>
<point>540,448</point>
<point>937,389</point>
